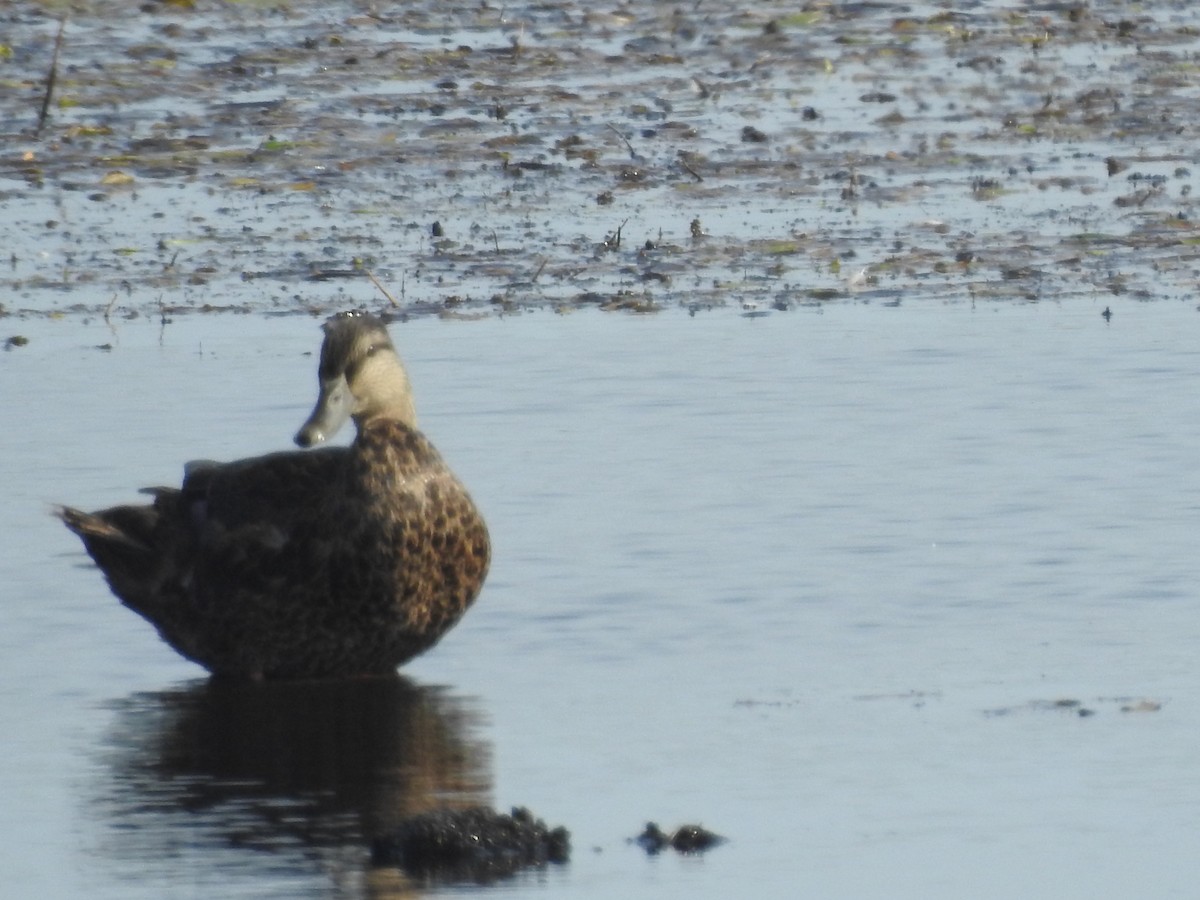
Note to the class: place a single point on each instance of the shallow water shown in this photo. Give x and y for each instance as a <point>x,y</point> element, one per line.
<point>828,582</point>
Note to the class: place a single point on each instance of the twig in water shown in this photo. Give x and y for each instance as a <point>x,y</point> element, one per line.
<point>381,288</point>
<point>52,77</point>
<point>612,242</point>
<point>613,128</point>
<point>687,168</point>
<point>163,321</point>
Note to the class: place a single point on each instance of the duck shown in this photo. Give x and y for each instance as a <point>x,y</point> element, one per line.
<point>331,562</point>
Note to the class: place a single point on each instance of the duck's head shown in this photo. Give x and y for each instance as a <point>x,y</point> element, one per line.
<point>360,376</point>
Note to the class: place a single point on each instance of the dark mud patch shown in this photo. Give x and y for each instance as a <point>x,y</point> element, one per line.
<point>264,156</point>
<point>476,845</point>
<point>684,839</point>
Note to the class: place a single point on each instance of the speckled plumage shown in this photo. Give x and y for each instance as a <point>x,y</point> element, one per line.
<point>330,562</point>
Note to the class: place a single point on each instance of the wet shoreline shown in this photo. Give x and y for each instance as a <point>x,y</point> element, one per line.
<point>261,157</point>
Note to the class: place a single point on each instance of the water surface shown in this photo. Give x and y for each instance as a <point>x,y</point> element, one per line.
<point>902,601</point>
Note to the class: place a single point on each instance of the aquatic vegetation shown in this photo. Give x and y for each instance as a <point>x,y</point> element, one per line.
<point>252,133</point>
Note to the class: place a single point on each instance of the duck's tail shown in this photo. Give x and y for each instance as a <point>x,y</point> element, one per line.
<point>146,555</point>
<point>122,542</point>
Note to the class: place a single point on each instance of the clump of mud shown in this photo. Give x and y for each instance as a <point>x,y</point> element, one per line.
<point>471,845</point>
<point>685,839</point>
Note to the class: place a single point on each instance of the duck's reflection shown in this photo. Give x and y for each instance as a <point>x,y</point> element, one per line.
<point>304,772</point>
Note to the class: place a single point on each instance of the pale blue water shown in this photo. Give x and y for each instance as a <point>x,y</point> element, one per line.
<point>811,580</point>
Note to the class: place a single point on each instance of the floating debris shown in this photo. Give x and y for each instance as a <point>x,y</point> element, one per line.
<point>1078,707</point>
<point>685,839</point>
<point>1141,706</point>
<point>476,845</point>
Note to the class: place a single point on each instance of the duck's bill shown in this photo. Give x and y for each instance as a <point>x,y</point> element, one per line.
<point>334,406</point>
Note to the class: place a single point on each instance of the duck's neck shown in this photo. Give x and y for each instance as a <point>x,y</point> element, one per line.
<point>385,386</point>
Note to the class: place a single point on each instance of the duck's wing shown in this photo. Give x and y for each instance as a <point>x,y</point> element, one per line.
<point>274,491</point>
